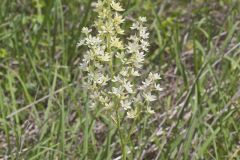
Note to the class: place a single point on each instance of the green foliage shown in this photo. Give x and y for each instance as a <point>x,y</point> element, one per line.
<point>3,53</point>
<point>43,112</point>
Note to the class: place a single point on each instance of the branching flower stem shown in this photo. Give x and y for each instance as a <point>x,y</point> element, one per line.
<point>117,87</point>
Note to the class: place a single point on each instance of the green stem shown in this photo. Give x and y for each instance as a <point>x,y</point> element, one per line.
<point>110,52</point>
<point>121,135</point>
<point>108,39</point>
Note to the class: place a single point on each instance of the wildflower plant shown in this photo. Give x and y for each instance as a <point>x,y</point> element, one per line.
<point>113,64</point>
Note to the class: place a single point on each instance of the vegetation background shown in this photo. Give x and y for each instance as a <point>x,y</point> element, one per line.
<point>195,45</point>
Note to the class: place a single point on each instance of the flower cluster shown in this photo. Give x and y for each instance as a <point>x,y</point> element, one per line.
<point>113,68</point>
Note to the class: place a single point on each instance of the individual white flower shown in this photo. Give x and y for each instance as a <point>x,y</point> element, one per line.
<point>138,58</point>
<point>80,43</point>
<point>84,66</point>
<point>126,104</point>
<point>149,97</point>
<point>135,26</point>
<point>119,30</point>
<point>138,64</point>
<point>157,76</point>
<point>121,56</point>
<point>104,13</point>
<point>92,105</point>
<point>132,114</point>
<point>86,31</point>
<point>158,88</point>
<point>146,84</point>
<point>128,86</point>
<point>118,19</point>
<point>149,110</point>
<point>91,40</point>
<point>143,33</point>
<point>109,105</point>
<point>133,47</point>
<point>134,38</point>
<point>134,72</point>
<point>115,42</point>
<point>105,57</point>
<point>104,99</point>
<point>144,45</point>
<point>108,28</point>
<point>87,58</point>
<point>116,6</point>
<point>99,50</point>
<point>91,76</point>
<point>124,72</point>
<point>154,76</point>
<point>142,19</point>
<point>98,5</point>
<point>116,79</point>
<point>98,65</point>
<point>117,91</point>
<point>101,79</point>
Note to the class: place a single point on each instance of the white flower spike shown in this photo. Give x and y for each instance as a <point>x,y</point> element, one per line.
<point>112,66</point>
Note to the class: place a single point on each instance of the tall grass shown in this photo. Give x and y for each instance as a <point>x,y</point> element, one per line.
<point>194,46</point>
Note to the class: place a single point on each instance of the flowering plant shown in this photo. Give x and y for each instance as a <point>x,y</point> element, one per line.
<point>113,67</point>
